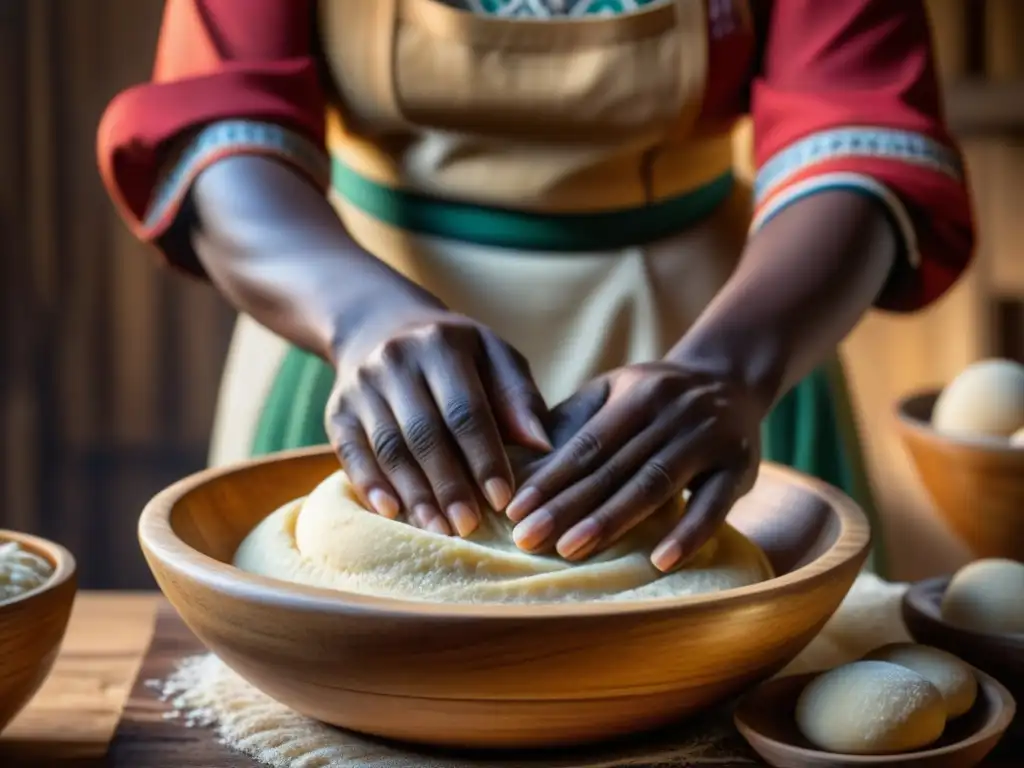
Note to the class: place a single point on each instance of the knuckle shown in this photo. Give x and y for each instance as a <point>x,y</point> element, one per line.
<point>423,435</point>
<point>585,447</point>
<point>655,482</point>
<point>351,453</point>
<point>389,447</point>
<point>463,416</point>
<point>390,354</point>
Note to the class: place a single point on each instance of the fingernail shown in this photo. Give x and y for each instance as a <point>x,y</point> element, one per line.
<point>430,519</point>
<point>437,525</point>
<point>527,500</point>
<point>498,493</point>
<point>539,433</point>
<point>384,504</point>
<point>667,556</point>
<point>579,540</point>
<point>464,518</point>
<point>534,530</point>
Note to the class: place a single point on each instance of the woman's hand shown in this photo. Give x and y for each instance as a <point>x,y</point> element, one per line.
<point>662,428</point>
<point>423,405</point>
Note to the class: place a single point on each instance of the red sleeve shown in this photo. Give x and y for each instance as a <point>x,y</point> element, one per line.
<point>847,96</point>
<point>216,60</point>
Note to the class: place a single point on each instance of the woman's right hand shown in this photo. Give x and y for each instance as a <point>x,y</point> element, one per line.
<point>423,404</point>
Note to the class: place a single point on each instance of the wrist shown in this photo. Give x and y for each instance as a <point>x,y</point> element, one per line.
<point>385,305</point>
<point>757,363</point>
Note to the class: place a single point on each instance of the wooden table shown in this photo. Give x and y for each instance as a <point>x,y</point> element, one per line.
<point>72,720</point>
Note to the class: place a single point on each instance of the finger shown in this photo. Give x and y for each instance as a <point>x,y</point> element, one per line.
<point>657,479</point>
<point>705,512</point>
<point>398,464</point>
<point>428,440</point>
<point>569,416</point>
<point>620,493</point>
<point>514,396</point>
<point>459,394</point>
<point>360,464</point>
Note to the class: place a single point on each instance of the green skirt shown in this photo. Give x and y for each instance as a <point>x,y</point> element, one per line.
<point>812,429</point>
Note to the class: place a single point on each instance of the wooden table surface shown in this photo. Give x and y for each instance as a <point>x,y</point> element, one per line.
<point>71,721</point>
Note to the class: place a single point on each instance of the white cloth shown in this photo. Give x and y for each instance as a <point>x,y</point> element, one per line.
<point>205,693</point>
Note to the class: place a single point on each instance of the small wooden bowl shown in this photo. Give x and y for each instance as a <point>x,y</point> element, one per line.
<point>765,718</point>
<point>977,486</point>
<point>32,626</point>
<point>1002,656</point>
<point>495,676</point>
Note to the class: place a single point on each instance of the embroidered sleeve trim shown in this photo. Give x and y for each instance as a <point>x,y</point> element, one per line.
<point>855,142</point>
<point>225,138</point>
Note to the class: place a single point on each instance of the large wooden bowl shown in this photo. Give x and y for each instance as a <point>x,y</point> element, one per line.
<point>32,626</point>
<point>495,676</point>
<point>976,486</point>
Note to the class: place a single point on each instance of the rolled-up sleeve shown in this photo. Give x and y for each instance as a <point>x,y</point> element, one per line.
<point>231,76</point>
<point>847,98</point>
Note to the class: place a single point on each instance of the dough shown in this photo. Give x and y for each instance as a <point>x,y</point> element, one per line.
<point>329,540</point>
<point>1017,438</point>
<point>954,679</point>
<point>870,708</point>
<point>985,400</point>
<point>987,596</point>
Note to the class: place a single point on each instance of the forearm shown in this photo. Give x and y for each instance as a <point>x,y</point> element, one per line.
<point>277,250</point>
<point>805,280</point>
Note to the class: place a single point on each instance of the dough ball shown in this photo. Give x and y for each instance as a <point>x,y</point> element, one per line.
<point>985,400</point>
<point>954,679</point>
<point>1017,438</point>
<point>871,708</point>
<point>987,596</point>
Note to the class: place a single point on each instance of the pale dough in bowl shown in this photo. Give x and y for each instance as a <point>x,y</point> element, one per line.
<point>329,540</point>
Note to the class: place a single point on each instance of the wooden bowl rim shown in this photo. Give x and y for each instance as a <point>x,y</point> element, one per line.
<point>997,724</point>
<point>160,541</point>
<point>924,429</point>
<point>59,557</point>
<point>913,602</point>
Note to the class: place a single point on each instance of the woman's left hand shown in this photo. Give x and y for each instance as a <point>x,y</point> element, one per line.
<point>661,428</point>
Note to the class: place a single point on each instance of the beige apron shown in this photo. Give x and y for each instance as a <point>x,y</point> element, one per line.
<point>563,115</point>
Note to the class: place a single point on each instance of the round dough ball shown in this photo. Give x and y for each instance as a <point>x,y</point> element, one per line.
<point>954,679</point>
<point>871,708</point>
<point>987,596</point>
<point>985,400</point>
<point>1017,438</point>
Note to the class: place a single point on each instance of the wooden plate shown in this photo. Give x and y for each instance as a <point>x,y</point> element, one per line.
<point>765,718</point>
<point>1002,656</point>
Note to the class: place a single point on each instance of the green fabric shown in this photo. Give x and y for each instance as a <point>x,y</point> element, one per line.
<point>523,230</point>
<point>812,429</point>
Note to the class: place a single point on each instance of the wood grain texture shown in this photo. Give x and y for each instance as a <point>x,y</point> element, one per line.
<point>977,489</point>
<point>71,720</point>
<point>485,675</point>
<point>32,627</point>
<point>765,717</point>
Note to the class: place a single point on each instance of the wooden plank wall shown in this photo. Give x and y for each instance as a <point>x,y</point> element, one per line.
<point>109,368</point>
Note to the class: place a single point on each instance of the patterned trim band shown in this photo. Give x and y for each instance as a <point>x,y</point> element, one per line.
<point>904,146</point>
<point>850,181</point>
<point>233,137</point>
